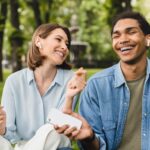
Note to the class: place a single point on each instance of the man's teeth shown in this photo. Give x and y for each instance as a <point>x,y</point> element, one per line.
<point>126,48</point>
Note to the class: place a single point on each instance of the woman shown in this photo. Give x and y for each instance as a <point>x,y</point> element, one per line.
<point>29,94</point>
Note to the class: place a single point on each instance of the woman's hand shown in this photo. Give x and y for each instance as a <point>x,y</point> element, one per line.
<point>2,121</point>
<point>76,84</point>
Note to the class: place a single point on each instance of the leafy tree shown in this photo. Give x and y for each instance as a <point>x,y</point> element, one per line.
<point>3,16</point>
<point>16,38</point>
<point>115,7</point>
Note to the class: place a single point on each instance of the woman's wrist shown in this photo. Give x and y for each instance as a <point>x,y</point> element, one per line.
<point>69,97</point>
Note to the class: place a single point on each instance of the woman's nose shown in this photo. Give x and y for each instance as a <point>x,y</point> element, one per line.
<point>64,46</point>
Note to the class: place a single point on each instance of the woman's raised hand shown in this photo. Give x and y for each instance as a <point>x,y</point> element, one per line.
<point>77,83</point>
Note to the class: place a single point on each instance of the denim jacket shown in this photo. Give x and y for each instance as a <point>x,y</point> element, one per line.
<point>104,104</point>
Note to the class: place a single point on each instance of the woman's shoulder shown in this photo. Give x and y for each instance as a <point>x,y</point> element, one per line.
<point>66,72</point>
<point>18,75</point>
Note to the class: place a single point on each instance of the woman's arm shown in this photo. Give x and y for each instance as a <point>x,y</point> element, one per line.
<point>85,134</point>
<point>75,85</point>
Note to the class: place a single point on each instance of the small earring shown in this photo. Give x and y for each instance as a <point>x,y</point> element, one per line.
<point>148,43</point>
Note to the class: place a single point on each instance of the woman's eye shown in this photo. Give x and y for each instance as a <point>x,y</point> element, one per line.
<point>67,44</point>
<point>58,39</point>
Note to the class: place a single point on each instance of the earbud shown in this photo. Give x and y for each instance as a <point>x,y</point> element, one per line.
<point>39,45</point>
<point>148,43</point>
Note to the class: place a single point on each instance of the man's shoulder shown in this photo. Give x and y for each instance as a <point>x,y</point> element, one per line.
<point>105,73</point>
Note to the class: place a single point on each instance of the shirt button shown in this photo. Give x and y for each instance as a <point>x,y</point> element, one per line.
<point>145,114</point>
<point>144,134</point>
<point>125,104</point>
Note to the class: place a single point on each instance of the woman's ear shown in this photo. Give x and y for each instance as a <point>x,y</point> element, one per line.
<point>38,43</point>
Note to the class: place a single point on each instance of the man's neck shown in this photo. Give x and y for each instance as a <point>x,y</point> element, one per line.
<point>134,71</point>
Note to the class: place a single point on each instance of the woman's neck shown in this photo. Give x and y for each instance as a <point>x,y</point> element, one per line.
<point>44,75</point>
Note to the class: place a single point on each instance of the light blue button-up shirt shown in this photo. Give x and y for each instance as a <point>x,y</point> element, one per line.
<point>25,108</point>
<point>105,102</point>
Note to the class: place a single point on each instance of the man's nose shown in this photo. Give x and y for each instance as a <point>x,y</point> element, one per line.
<point>123,39</point>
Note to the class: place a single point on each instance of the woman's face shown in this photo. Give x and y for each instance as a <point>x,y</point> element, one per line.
<point>54,47</point>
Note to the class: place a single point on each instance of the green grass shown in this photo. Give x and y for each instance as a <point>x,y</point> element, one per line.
<point>90,72</point>
<point>5,75</point>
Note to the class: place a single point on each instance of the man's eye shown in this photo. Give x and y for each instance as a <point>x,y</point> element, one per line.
<point>115,36</point>
<point>132,32</point>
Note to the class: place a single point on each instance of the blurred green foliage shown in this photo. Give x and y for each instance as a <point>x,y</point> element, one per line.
<point>93,19</point>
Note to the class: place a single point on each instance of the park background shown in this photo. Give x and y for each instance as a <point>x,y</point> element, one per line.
<point>88,20</point>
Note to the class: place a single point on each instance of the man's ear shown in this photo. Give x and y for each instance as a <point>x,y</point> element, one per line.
<point>148,40</point>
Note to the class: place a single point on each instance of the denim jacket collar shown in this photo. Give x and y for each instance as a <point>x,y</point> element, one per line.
<point>119,77</point>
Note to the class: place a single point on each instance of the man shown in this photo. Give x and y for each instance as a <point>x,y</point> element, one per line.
<point>116,101</point>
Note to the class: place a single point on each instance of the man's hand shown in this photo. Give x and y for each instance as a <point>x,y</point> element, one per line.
<point>84,133</point>
<point>2,121</point>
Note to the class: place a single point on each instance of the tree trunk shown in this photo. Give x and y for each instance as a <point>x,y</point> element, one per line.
<point>47,13</point>
<point>3,16</point>
<point>16,37</point>
<point>118,6</point>
<point>37,13</point>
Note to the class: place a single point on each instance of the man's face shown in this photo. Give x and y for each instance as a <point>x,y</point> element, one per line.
<point>129,41</point>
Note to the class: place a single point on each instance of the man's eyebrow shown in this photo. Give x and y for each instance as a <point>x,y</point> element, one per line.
<point>130,28</point>
<point>126,29</point>
<point>115,32</point>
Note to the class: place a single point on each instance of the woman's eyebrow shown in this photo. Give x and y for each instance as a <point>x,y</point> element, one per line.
<point>61,37</point>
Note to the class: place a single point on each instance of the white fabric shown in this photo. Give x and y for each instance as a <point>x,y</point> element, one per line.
<point>46,138</point>
<point>4,144</point>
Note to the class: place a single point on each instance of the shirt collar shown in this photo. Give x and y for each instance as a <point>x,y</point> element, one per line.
<point>30,75</point>
<point>119,77</point>
<point>58,78</point>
